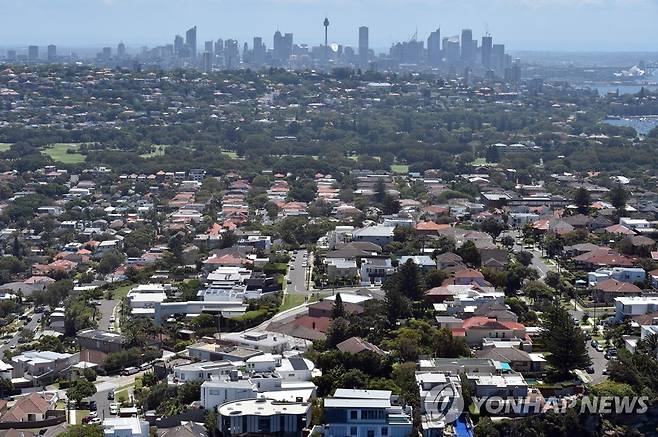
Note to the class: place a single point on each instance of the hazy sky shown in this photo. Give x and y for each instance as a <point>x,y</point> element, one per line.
<point>573,25</point>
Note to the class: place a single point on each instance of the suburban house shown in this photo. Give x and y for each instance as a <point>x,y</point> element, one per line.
<point>475,329</point>
<point>31,408</point>
<point>365,413</point>
<point>263,417</point>
<point>380,235</point>
<point>609,289</point>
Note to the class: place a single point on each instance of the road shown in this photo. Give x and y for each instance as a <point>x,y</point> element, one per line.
<point>297,273</point>
<point>106,309</point>
<point>598,362</point>
<point>536,262</point>
<point>31,325</point>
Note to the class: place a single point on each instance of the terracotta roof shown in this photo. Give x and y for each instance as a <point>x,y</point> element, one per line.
<point>614,286</point>
<point>31,404</point>
<point>487,323</point>
<point>320,324</point>
<point>619,229</point>
<point>355,345</point>
<point>468,273</point>
<point>430,226</point>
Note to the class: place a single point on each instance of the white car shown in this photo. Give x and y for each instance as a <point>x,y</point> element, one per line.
<point>114,408</point>
<point>95,421</point>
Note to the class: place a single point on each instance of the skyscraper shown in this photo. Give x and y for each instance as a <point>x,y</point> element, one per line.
<point>287,46</point>
<point>487,46</point>
<point>451,49</point>
<point>190,42</point>
<point>208,46</point>
<point>52,52</point>
<point>259,51</point>
<point>277,46</point>
<point>434,48</point>
<point>179,45</point>
<point>33,53</point>
<point>468,46</point>
<point>206,63</point>
<point>231,54</point>
<point>498,57</point>
<point>121,50</point>
<point>363,46</point>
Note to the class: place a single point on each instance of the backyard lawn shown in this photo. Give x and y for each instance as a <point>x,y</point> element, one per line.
<point>4,147</point>
<point>59,152</point>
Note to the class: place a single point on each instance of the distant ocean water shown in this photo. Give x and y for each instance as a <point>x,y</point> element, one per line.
<point>642,125</point>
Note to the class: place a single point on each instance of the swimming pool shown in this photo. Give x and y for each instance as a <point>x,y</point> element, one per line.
<point>462,429</point>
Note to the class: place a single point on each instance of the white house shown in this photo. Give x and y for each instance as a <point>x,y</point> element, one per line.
<point>621,274</point>
<point>364,413</point>
<point>125,427</point>
<point>635,306</point>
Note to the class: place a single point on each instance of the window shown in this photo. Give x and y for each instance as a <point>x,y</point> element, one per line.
<point>354,414</point>
<point>371,433</point>
<point>384,431</point>
<point>353,430</point>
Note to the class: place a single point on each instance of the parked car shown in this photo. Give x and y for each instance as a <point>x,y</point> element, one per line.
<point>129,371</point>
<point>599,348</point>
<point>95,421</point>
<point>114,408</point>
<point>110,395</point>
<point>590,370</point>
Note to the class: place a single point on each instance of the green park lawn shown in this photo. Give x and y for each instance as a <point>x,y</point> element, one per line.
<point>291,301</point>
<point>59,152</point>
<point>4,147</point>
<point>121,292</point>
<point>158,150</point>
<point>230,154</point>
<point>400,168</point>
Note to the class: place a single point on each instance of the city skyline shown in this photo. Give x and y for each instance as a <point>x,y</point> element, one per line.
<point>94,22</point>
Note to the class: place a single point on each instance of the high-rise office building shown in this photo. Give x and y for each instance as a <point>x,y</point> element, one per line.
<point>219,47</point>
<point>364,46</point>
<point>498,57</point>
<point>11,55</point>
<point>190,42</point>
<point>487,46</point>
<point>434,48</point>
<point>179,45</point>
<point>259,51</point>
<point>121,50</point>
<point>468,46</point>
<point>52,52</point>
<point>277,47</point>
<point>33,53</point>
<point>206,62</point>
<point>287,44</point>
<point>231,54</point>
<point>451,49</point>
<point>106,53</point>
<point>208,46</point>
